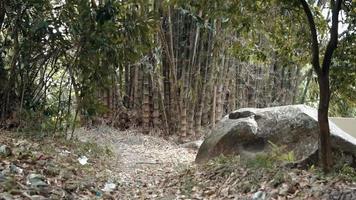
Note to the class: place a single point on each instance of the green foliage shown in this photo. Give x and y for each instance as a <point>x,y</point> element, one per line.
<point>348,173</point>
<point>261,161</point>
<point>280,153</point>
<point>45,42</point>
<point>278,179</point>
<point>277,155</point>
<point>103,37</point>
<point>278,39</point>
<point>57,56</point>
<point>38,122</point>
<point>188,185</point>
<point>342,78</point>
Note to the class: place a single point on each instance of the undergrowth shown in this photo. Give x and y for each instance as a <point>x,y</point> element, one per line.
<point>347,173</point>
<point>91,149</point>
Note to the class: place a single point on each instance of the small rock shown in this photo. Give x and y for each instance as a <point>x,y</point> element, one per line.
<point>209,192</point>
<point>108,187</point>
<point>36,181</point>
<point>5,151</point>
<point>2,178</point>
<point>15,169</point>
<point>83,160</point>
<point>38,197</point>
<point>260,195</point>
<point>6,171</point>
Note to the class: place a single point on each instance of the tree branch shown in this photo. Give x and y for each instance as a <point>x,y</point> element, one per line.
<point>314,37</point>
<point>336,6</point>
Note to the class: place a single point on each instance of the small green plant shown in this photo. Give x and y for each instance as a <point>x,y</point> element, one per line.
<point>278,179</point>
<point>188,185</point>
<point>288,157</point>
<point>348,173</point>
<point>279,153</point>
<point>312,168</point>
<point>261,161</point>
<point>276,156</point>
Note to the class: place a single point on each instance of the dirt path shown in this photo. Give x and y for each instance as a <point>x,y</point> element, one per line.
<point>140,160</point>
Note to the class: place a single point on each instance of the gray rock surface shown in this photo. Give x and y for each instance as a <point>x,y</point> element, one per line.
<point>260,195</point>
<point>192,145</point>
<point>249,131</point>
<point>5,151</point>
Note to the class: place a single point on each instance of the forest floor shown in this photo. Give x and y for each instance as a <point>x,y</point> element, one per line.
<point>110,164</point>
<point>141,163</point>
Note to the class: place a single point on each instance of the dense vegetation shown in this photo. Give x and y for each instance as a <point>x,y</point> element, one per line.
<point>96,96</point>
<point>175,66</point>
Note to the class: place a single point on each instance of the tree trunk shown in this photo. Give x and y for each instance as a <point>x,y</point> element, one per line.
<point>146,103</point>
<point>155,113</point>
<point>325,144</point>
<point>127,87</point>
<point>309,77</point>
<point>213,118</point>
<point>323,77</point>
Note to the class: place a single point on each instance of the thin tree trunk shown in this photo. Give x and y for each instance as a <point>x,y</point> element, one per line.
<point>323,78</point>
<point>68,108</point>
<point>127,87</point>
<point>136,88</point>
<point>296,83</point>
<point>305,91</point>
<point>213,118</point>
<point>59,113</point>
<point>183,124</point>
<point>146,103</point>
<point>219,103</point>
<point>325,143</point>
<point>155,114</point>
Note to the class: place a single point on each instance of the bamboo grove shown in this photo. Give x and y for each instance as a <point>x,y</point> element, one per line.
<point>161,65</point>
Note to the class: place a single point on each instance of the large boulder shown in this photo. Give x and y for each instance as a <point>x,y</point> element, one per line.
<point>249,131</point>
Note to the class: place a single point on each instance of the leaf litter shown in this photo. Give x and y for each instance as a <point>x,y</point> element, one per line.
<point>108,164</point>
